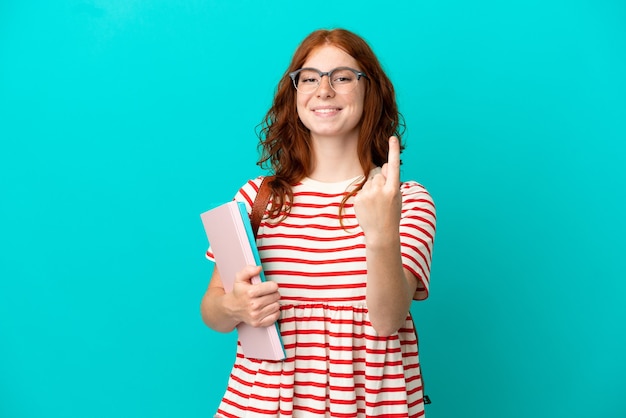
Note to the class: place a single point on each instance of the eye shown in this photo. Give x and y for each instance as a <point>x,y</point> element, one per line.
<point>343,77</point>
<point>309,80</point>
<point>308,77</point>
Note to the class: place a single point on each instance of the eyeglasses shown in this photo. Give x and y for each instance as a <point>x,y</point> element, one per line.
<point>342,79</point>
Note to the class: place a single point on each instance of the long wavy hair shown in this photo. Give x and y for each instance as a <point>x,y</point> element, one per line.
<point>285,142</point>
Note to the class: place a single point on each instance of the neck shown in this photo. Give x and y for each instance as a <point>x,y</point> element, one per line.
<point>335,160</point>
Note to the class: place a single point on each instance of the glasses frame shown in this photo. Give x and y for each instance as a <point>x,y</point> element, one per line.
<point>294,74</point>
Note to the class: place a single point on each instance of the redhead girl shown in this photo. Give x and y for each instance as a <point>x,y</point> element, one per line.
<point>345,247</point>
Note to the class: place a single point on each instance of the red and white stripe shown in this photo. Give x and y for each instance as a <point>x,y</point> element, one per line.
<point>336,365</point>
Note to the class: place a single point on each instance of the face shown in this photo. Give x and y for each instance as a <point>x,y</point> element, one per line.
<point>324,112</point>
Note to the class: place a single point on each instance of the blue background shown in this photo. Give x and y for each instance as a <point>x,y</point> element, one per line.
<point>122,120</point>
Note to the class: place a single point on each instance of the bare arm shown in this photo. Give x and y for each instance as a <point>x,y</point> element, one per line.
<point>390,287</point>
<point>254,304</point>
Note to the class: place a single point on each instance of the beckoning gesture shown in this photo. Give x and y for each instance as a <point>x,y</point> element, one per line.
<point>378,204</point>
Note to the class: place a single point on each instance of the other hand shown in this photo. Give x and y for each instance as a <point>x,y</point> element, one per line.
<point>379,203</point>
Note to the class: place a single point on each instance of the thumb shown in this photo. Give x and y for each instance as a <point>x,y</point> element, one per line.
<point>247,273</point>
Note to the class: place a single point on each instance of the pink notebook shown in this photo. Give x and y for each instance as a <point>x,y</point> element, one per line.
<point>232,242</point>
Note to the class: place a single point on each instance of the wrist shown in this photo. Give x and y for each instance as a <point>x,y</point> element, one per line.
<point>229,309</point>
<point>383,241</point>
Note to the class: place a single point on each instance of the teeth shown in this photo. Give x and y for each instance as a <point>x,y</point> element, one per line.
<point>326,110</point>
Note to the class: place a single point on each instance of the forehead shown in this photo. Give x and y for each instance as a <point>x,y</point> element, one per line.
<point>327,57</point>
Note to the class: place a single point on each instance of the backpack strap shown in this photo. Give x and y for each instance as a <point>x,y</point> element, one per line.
<point>260,204</point>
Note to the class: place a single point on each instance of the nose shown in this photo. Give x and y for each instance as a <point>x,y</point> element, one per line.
<point>324,89</point>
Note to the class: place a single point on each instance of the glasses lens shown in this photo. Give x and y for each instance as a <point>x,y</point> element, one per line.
<point>343,80</point>
<point>307,81</point>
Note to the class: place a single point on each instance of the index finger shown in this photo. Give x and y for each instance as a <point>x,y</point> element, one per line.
<point>265,288</point>
<point>393,162</point>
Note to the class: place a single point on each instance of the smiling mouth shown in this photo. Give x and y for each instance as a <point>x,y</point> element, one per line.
<point>326,111</point>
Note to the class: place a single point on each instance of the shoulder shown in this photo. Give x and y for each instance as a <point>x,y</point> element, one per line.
<point>248,191</point>
<point>415,197</point>
<point>412,190</point>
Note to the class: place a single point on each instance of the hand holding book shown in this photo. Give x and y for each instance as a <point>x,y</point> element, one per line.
<point>234,248</point>
<point>254,304</point>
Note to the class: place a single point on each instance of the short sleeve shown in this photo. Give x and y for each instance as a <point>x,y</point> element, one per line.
<point>417,234</point>
<point>246,194</point>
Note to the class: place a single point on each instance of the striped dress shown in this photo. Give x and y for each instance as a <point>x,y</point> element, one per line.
<point>336,365</point>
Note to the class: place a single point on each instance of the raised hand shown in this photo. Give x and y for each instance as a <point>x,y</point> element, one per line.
<point>379,202</point>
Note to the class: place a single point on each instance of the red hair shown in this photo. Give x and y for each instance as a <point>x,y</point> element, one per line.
<point>285,142</point>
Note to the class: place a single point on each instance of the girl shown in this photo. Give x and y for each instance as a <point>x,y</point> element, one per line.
<point>345,247</point>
